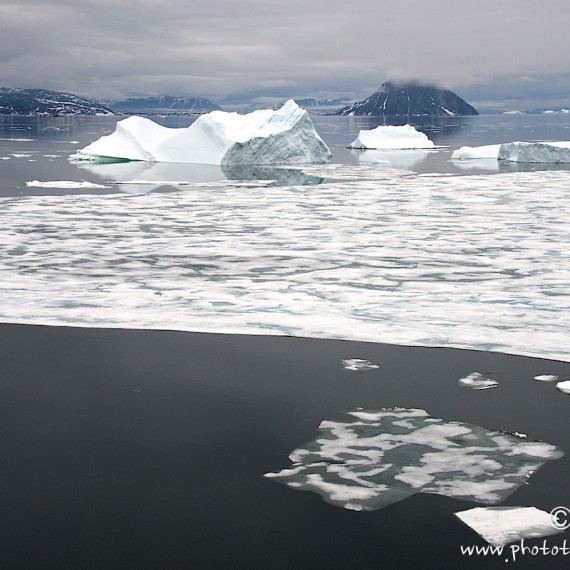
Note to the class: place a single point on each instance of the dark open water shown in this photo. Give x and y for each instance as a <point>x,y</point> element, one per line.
<point>141,449</point>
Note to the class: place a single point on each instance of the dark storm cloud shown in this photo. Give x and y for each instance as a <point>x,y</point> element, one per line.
<point>223,48</point>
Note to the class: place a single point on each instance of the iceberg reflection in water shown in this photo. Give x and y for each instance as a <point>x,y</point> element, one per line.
<point>377,458</point>
<point>140,177</point>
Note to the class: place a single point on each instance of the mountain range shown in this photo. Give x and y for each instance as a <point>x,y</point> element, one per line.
<point>392,99</point>
<point>164,104</point>
<point>47,102</point>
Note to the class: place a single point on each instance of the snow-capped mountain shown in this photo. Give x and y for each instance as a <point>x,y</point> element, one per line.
<point>397,99</point>
<point>47,102</point>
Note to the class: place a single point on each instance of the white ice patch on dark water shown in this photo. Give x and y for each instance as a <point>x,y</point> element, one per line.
<point>371,254</point>
<point>564,386</point>
<point>379,457</point>
<point>476,381</point>
<point>502,525</point>
<point>66,184</point>
<point>546,378</point>
<point>358,364</point>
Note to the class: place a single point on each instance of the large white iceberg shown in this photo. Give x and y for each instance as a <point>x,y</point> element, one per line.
<point>285,136</point>
<point>391,137</point>
<point>534,152</point>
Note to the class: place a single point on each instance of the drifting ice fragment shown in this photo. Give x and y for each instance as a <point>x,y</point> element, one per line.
<point>564,386</point>
<point>553,152</point>
<point>535,152</point>
<point>477,381</point>
<point>502,525</point>
<point>546,378</point>
<point>358,364</point>
<point>63,184</point>
<point>379,457</point>
<point>390,137</point>
<point>286,136</point>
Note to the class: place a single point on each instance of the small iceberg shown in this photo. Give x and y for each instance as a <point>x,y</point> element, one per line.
<point>564,386</point>
<point>265,137</point>
<point>358,364</point>
<point>477,381</point>
<point>392,137</point>
<point>524,152</point>
<point>502,525</point>
<point>546,378</point>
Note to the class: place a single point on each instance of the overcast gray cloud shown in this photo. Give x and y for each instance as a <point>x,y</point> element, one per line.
<point>515,51</point>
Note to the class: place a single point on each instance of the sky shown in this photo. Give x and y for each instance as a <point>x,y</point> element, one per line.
<point>503,54</point>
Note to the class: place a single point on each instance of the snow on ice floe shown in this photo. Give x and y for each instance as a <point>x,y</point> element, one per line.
<point>392,137</point>
<point>358,364</point>
<point>477,381</point>
<point>564,386</point>
<point>502,525</point>
<point>379,457</point>
<point>525,152</point>
<point>370,254</point>
<point>285,136</point>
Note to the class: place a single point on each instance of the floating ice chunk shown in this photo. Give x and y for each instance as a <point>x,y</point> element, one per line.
<point>63,184</point>
<point>546,378</point>
<point>358,364</point>
<point>379,457</point>
<point>535,152</point>
<point>285,136</point>
<point>476,152</point>
<point>477,381</point>
<point>502,525</point>
<point>553,152</point>
<point>391,137</point>
<point>564,386</point>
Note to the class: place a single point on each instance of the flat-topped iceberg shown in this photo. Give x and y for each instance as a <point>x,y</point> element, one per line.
<point>285,136</point>
<point>531,152</point>
<point>392,137</point>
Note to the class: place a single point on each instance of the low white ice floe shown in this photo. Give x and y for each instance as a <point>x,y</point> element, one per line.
<point>392,137</point>
<point>67,184</point>
<point>285,136</point>
<point>526,152</point>
<point>358,364</point>
<point>546,378</point>
<point>379,457</point>
<point>502,525</point>
<point>564,386</point>
<point>477,381</point>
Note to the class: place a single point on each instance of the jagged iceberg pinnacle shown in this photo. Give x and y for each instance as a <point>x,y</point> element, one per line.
<point>285,136</point>
<point>556,152</point>
<point>391,137</point>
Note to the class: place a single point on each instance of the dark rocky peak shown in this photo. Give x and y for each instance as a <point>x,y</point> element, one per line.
<point>408,99</point>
